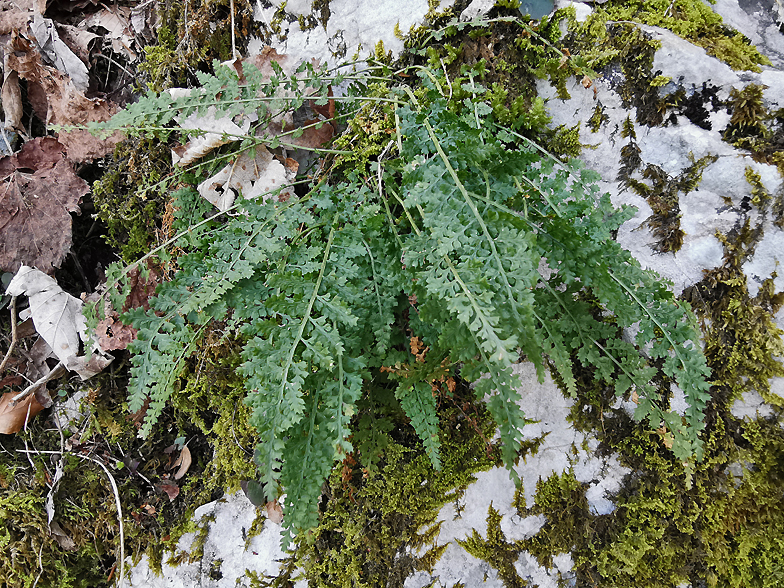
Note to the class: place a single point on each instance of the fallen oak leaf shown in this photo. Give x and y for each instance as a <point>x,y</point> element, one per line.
<point>57,315</point>
<point>58,53</point>
<point>12,101</point>
<point>251,177</point>
<point>111,333</point>
<point>14,19</point>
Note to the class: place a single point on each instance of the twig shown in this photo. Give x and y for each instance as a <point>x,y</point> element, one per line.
<point>119,516</point>
<point>13,335</point>
<point>40,566</point>
<point>233,43</point>
<point>58,371</point>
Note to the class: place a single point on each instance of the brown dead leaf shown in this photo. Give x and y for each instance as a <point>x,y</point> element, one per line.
<point>68,5</point>
<point>40,153</point>
<point>144,21</point>
<point>14,19</point>
<point>58,102</point>
<point>57,53</point>
<point>62,538</point>
<point>82,42</point>
<point>13,418</point>
<point>586,82</point>
<point>35,224</point>
<point>116,21</point>
<point>85,368</point>
<point>11,381</point>
<point>137,417</point>
<point>112,335</point>
<point>274,512</point>
<point>12,100</point>
<point>315,134</point>
<point>184,462</point>
<point>326,110</point>
<point>171,489</point>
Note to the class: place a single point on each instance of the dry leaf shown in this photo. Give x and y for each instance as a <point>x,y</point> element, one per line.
<point>63,540</point>
<point>13,418</point>
<point>172,490</point>
<point>218,132</point>
<point>57,102</point>
<point>35,224</point>
<point>85,368</point>
<point>184,461</point>
<point>586,82</point>
<point>12,100</point>
<point>83,43</point>
<point>274,512</point>
<point>116,22</point>
<point>67,5</point>
<point>58,53</point>
<point>56,314</point>
<point>58,319</point>
<point>250,177</point>
<point>112,335</point>
<point>14,19</point>
<point>144,21</point>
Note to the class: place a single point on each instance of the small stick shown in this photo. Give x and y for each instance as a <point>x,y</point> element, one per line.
<point>58,371</point>
<point>13,335</point>
<point>121,577</point>
<point>233,44</point>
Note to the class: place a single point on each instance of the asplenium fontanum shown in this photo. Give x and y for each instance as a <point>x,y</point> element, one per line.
<point>464,234</point>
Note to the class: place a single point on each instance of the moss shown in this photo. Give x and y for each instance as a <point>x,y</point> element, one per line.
<point>126,199</point>
<point>721,525</point>
<point>84,510</point>
<point>755,129</point>
<point>742,340</point>
<point>195,551</point>
<point>210,400</point>
<point>745,527</point>
<point>598,118</point>
<point>505,58</point>
<point>746,129</point>
<point>693,21</point>
<point>369,133</point>
<point>661,191</point>
<point>379,526</point>
<point>496,550</point>
<point>191,36</point>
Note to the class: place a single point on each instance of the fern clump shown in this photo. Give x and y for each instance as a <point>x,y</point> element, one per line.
<point>460,233</point>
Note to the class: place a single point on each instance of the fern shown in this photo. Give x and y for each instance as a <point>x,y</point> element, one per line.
<point>467,236</point>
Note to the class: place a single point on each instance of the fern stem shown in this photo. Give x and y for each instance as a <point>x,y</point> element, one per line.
<point>306,317</point>
<point>475,211</point>
<point>656,321</point>
<point>375,279</point>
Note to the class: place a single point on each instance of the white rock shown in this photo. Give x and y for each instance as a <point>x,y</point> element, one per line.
<point>233,517</point>
<point>758,22</point>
